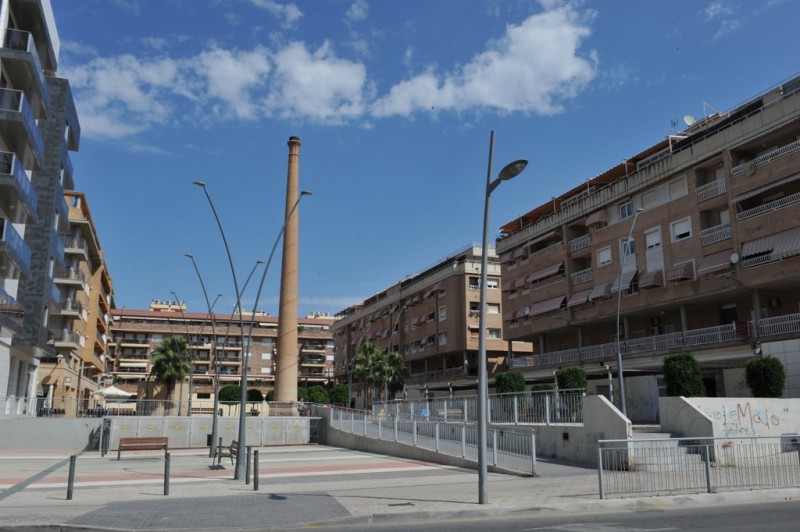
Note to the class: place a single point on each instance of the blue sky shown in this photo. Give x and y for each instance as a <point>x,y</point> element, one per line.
<point>393,102</point>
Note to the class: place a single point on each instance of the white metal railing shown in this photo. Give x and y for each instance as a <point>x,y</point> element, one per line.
<point>544,251</point>
<point>508,448</point>
<point>710,190</point>
<point>694,465</point>
<point>718,233</point>
<point>788,324</point>
<point>583,276</point>
<point>580,242</point>
<point>769,207</point>
<point>767,157</point>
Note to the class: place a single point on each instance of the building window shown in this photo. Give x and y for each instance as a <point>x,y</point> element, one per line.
<point>652,238</point>
<point>442,313</point>
<point>650,200</point>
<point>474,283</point>
<point>442,338</point>
<point>156,338</point>
<point>625,210</point>
<point>266,356</point>
<point>493,334</point>
<point>627,247</point>
<point>492,284</point>
<point>678,188</point>
<point>604,256</point>
<point>681,230</point>
<point>493,308</point>
<point>266,342</point>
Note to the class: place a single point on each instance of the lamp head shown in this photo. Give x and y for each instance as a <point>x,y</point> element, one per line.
<point>512,169</point>
<point>640,209</point>
<point>306,193</point>
<point>188,255</point>
<point>200,184</point>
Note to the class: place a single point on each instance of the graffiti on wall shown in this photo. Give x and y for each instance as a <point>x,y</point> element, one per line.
<point>746,419</point>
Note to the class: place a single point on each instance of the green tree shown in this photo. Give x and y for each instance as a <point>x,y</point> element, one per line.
<point>340,394</point>
<point>302,394</point>
<point>388,372</point>
<point>170,363</point>
<point>682,376</point>
<point>362,366</point>
<point>270,395</point>
<point>230,393</point>
<point>254,395</point>
<point>318,394</point>
<point>543,387</point>
<point>765,376</point>
<point>509,382</point>
<point>570,378</point>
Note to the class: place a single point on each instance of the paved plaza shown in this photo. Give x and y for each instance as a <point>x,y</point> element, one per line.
<point>299,487</point>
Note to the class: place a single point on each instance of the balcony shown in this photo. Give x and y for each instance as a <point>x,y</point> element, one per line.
<point>61,205</point>
<point>75,246</point>
<point>13,249</point>
<point>552,248</point>
<point>11,312</point>
<point>766,158</point>
<point>134,341</point>
<point>71,276</point>
<point>70,306</point>
<point>437,375</point>
<point>583,276</point>
<point>16,188</point>
<point>771,206</point>
<point>19,129</point>
<point>21,61</point>
<point>580,242</point>
<point>714,234</point>
<point>661,344</point>
<point>710,190</point>
<point>69,339</point>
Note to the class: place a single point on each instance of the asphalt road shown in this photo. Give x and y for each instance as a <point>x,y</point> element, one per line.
<point>772,517</point>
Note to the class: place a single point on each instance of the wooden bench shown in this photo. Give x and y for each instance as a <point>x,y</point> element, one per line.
<point>142,444</point>
<point>202,411</point>
<point>450,413</point>
<point>230,451</point>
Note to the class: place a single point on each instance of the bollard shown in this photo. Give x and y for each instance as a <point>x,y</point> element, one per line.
<point>71,479</point>
<point>255,471</point>
<point>166,474</point>
<point>247,467</point>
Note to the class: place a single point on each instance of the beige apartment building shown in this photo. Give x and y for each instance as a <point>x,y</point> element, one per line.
<point>431,319</point>
<point>214,343</point>
<point>80,318</point>
<point>712,266</point>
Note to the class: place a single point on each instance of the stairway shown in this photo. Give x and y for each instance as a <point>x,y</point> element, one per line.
<point>666,454</point>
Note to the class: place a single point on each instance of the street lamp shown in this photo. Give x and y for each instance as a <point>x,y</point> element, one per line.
<point>213,448</point>
<point>625,254</point>
<point>240,453</point>
<point>510,171</point>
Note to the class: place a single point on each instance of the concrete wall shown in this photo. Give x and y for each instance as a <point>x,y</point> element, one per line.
<point>731,417</point>
<point>788,352</point>
<point>641,395</point>
<point>56,434</point>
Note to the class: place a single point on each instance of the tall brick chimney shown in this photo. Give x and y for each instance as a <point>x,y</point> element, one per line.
<point>288,354</point>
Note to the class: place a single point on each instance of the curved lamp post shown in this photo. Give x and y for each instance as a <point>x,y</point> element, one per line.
<point>625,254</point>
<point>240,454</point>
<point>510,171</point>
<point>236,308</point>
<point>213,449</point>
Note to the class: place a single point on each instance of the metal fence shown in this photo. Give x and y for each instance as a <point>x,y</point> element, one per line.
<point>556,406</point>
<point>71,407</point>
<point>510,449</point>
<point>692,465</point>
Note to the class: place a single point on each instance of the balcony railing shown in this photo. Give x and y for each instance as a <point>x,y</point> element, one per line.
<point>72,243</point>
<point>647,346</point>
<point>10,165</point>
<point>718,233</point>
<point>439,374</point>
<point>710,190</point>
<point>778,325</point>
<point>23,41</point>
<point>69,274</point>
<point>544,251</point>
<point>14,245</point>
<point>580,242</point>
<point>13,100</point>
<point>767,157</point>
<point>583,276</point>
<point>71,305</point>
<point>769,207</point>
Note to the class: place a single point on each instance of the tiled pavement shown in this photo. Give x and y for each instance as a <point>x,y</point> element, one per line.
<point>299,487</point>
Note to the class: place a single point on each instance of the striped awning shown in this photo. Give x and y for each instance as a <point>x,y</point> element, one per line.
<point>600,291</point>
<point>542,238</point>
<point>547,305</point>
<point>681,272</point>
<point>715,262</point>
<point>759,190</point>
<point>512,284</point>
<point>786,244</point>
<point>596,218</point>
<point>652,279</point>
<point>623,282</point>
<point>544,272</point>
<point>579,298</point>
<point>758,247</point>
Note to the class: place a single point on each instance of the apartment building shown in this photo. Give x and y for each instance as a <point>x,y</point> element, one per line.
<point>691,245</point>
<point>431,319</point>
<point>215,346</point>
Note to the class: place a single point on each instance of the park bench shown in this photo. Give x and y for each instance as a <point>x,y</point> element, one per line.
<point>229,451</point>
<point>142,444</point>
<point>202,411</point>
<point>450,413</point>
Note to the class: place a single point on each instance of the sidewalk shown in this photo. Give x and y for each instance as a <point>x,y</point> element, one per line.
<point>298,487</point>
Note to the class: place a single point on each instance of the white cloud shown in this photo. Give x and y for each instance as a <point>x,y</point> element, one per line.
<point>358,11</point>
<point>717,9</point>
<point>727,26</point>
<point>230,76</point>
<point>288,14</point>
<point>531,69</point>
<point>316,85</point>
<point>156,43</point>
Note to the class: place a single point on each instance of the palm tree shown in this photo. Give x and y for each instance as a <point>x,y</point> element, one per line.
<point>379,369</point>
<point>363,366</point>
<point>170,363</point>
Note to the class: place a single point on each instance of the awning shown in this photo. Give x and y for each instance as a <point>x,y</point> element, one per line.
<point>758,247</point>
<point>786,244</point>
<point>600,291</point>
<point>506,257</point>
<point>596,218</point>
<point>652,279</point>
<point>541,238</point>
<point>623,282</point>
<point>519,252</point>
<point>682,272</point>
<point>124,364</point>
<point>715,262</point>
<point>544,272</point>
<point>513,284</point>
<point>579,298</point>
<point>547,305</point>
<point>759,190</point>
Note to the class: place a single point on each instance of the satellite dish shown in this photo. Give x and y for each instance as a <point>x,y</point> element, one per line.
<point>689,120</point>
<point>734,258</point>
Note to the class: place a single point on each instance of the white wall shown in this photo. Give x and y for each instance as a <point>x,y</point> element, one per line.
<point>733,417</point>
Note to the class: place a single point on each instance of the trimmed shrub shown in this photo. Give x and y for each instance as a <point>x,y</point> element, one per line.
<point>270,395</point>
<point>682,376</point>
<point>543,387</point>
<point>571,378</point>
<point>254,394</point>
<point>318,394</point>
<point>230,393</point>
<point>509,382</point>
<point>339,394</point>
<point>765,376</point>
